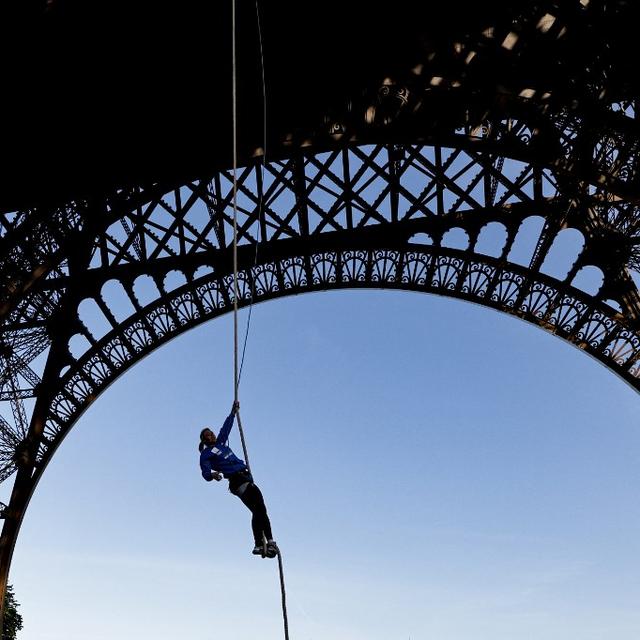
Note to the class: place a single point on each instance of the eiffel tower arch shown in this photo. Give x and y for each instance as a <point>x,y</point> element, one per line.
<point>487,154</point>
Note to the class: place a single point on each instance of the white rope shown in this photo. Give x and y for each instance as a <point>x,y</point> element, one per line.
<point>235,202</point>
<point>236,371</point>
<point>261,195</point>
<point>236,379</point>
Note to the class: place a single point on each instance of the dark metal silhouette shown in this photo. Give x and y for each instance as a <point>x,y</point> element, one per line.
<point>429,178</point>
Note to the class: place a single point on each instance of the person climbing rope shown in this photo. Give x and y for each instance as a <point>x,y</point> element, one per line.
<point>218,460</point>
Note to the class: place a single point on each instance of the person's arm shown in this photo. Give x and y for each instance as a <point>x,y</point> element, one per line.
<point>207,470</point>
<point>223,436</point>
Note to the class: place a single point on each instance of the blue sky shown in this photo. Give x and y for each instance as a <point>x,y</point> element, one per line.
<point>433,470</point>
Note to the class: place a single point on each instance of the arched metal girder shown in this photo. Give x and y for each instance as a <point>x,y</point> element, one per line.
<point>430,150</point>
<point>592,151</point>
<point>120,277</point>
<point>373,198</point>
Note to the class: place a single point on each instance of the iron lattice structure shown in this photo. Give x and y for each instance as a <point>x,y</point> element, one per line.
<point>431,180</point>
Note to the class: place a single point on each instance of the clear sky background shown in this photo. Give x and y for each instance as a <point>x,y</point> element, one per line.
<point>433,470</point>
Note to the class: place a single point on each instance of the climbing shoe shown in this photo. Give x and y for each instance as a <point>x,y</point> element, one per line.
<point>272,549</point>
<point>258,550</point>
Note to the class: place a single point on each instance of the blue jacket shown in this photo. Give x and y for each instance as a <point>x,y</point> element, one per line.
<point>219,457</point>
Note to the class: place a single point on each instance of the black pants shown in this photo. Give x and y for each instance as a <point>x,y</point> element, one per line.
<point>253,500</point>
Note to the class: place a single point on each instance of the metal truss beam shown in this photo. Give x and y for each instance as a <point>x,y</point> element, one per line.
<point>154,263</point>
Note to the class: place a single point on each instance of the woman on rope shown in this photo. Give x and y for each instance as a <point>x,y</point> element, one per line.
<point>218,460</point>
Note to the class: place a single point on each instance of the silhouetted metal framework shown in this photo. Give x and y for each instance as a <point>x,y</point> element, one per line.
<point>437,180</point>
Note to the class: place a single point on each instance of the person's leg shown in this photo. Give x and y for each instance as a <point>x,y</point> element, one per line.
<point>254,501</point>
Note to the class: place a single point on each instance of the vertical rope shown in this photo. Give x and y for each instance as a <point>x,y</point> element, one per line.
<point>235,227</point>
<point>260,184</point>
<point>236,373</point>
<point>235,200</point>
<point>283,595</point>
<point>244,444</point>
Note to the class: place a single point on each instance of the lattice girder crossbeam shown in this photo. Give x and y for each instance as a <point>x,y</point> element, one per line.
<point>600,150</point>
<point>378,197</point>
